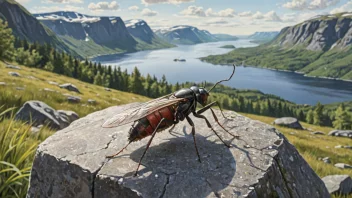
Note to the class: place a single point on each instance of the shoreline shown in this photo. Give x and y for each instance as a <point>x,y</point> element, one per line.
<point>301,73</point>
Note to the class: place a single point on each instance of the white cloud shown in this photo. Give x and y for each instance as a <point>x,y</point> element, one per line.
<point>199,11</point>
<point>43,9</point>
<point>216,21</point>
<point>146,2</point>
<point>133,8</point>
<point>309,4</point>
<point>194,11</point>
<point>148,12</point>
<point>344,8</point>
<point>100,6</point>
<point>63,1</point>
<point>227,13</point>
<point>258,15</point>
<point>245,14</point>
<point>296,5</point>
<point>272,16</point>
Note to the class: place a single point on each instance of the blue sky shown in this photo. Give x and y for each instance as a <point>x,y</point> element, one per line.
<point>236,17</point>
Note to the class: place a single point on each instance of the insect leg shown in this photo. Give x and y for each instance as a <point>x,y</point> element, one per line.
<point>111,156</point>
<point>209,125</point>
<point>208,107</point>
<point>193,134</point>
<point>150,141</point>
<point>215,117</point>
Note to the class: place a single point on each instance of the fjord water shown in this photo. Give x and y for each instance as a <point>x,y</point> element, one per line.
<point>288,85</point>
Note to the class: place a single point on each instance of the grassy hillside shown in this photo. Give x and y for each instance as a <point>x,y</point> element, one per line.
<point>33,90</point>
<point>34,81</point>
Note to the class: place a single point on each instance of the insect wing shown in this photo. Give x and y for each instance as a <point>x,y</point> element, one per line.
<point>140,111</point>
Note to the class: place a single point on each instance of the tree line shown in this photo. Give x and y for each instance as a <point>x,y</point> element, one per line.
<point>45,56</point>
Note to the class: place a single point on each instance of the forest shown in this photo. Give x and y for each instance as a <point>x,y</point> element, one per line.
<point>46,57</point>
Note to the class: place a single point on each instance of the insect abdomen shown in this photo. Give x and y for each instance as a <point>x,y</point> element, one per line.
<point>146,126</point>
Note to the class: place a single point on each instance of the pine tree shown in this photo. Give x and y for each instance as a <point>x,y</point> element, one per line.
<point>318,117</point>
<point>98,80</point>
<point>135,84</point>
<point>342,118</point>
<point>310,117</point>
<point>6,42</point>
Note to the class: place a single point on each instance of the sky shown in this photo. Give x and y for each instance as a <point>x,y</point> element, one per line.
<point>236,17</point>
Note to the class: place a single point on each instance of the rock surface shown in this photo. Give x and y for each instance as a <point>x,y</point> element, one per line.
<point>15,74</point>
<point>39,113</point>
<point>341,133</point>
<point>340,184</point>
<point>288,122</point>
<point>70,87</point>
<point>72,163</point>
<point>343,166</point>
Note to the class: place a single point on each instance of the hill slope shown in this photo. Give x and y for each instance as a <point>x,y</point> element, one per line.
<point>319,47</point>
<point>25,26</point>
<point>93,35</point>
<point>189,35</point>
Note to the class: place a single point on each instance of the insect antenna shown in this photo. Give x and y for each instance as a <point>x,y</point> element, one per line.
<point>233,72</point>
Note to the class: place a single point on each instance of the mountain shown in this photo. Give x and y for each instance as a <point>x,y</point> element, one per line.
<point>263,36</point>
<point>25,26</point>
<point>93,35</point>
<point>189,35</point>
<point>225,37</point>
<point>318,47</point>
<point>141,31</point>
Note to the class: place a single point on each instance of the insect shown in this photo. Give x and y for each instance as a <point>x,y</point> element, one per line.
<point>165,112</point>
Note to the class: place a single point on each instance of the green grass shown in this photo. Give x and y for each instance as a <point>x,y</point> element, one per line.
<point>17,148</point>
<point>16,135</point>
<point>33,90</point>
<point>312,147</point>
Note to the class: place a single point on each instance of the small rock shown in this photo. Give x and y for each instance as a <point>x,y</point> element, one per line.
<point>53,83</point>
<point>20,88</point>
<point>107,89</point>
<point>35,129</point>
<point>343,166</point>
<point>341,133</point>
<point>13,67</point>
<point>338,184</point>
<point>49,90</point>
<point>309,129</point>
<point>73,99</point>
<point>326,160</point>
<point>69,116</point>
<point>339,146</point>
<point>347,147</point>
<point>91,101</point>
<point>292,133</point>
<point>70,87</point>
<point>318,133</point>
<point>2,83</point>
<point>288,122</point>
<point>14,74</point>
<point>32,77</point>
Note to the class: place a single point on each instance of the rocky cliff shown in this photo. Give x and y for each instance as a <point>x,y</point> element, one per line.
<point>185,35</point>
<point>103,34</point>
<point>72,162</point>
<point>25,26</point>
<point>263,36</point>
<point>320,33</point>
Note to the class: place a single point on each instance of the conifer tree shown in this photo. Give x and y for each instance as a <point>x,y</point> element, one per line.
<point>6,41</point>
<point>310,117</point>
<point>342,118</point>
<point>318,117</point>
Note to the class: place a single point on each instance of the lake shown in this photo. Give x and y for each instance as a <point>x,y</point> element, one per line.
<point>288,85</point>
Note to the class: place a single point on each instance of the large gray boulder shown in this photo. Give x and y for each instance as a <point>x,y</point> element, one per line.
<point>72,163</point>
<point>39,113</point>
<point>341,133</point>
<point>338,184</point>
<point>288,122</point>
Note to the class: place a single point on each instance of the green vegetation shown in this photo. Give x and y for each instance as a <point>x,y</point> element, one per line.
<point>17,148</point>
<point>6,41</point>
<point>313,147</point>
<point>228,47</point>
